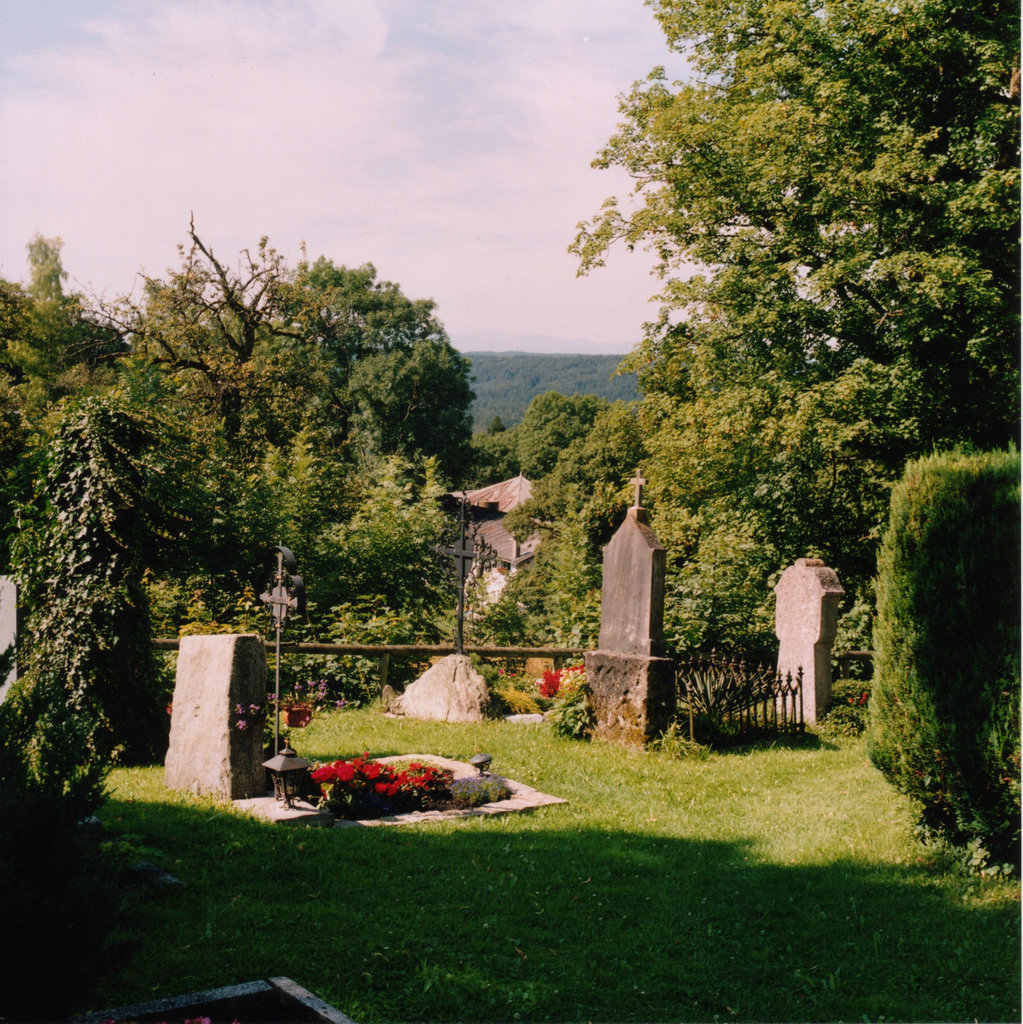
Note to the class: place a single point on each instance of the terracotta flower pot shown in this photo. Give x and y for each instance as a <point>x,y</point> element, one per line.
<point>299,717</point>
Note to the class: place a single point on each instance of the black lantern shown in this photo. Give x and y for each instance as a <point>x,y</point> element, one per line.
<point>481,762</point>
<point>287,770</point>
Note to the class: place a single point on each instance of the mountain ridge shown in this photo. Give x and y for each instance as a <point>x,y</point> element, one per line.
<point>506,382</point>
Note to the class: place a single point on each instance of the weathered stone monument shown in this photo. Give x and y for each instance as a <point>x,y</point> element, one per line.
<point>8,630</point>
<point>805,622</point>
<point>450,691</point>
<point>208,753</point>
<point>632,684</point>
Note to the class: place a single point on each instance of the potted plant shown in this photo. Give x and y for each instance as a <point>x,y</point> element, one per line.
<point>296,711</point>
<point>297,707</point>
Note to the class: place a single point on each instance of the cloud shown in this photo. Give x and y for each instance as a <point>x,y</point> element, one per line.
<point>448,143</point>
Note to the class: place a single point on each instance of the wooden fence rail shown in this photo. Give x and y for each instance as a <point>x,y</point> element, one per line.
<point>383,652</point>
<point>401,650</point>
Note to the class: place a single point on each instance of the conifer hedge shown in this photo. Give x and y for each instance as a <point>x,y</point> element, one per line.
<point>944,711</point>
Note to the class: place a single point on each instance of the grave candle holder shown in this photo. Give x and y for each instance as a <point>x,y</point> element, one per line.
<point>287,770</point>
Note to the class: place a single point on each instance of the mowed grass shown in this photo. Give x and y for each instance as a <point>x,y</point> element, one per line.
<point>772,884</point>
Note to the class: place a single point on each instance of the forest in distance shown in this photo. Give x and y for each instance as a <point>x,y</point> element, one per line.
<point>505,383</point>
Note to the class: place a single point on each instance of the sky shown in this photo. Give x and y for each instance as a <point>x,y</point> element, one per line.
<point>447,142</point>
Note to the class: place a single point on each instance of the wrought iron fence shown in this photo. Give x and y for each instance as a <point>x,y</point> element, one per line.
<point>730,700</point>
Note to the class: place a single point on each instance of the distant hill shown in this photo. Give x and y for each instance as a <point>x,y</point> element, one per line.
<point>540,344</point>
<point>506,382</point>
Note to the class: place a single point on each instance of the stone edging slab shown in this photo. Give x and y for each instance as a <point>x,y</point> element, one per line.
<point>276,995</point>
<point>523,798</point>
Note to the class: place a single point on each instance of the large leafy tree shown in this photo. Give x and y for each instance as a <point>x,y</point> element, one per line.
<point>265,352</point>
<point>833,201</point>
<point>387,379</point>
<point>53,342</point>
<point>204,327</point>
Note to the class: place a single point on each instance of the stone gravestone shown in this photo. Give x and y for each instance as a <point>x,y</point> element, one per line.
<point>450,691</point>
<point>805,621</point>
<point>208,753</point>
<point>8,629</point>
<point>632,685</point>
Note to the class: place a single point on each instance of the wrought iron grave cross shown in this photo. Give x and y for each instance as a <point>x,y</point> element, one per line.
<point>470,553</point>
<point>284,592</point>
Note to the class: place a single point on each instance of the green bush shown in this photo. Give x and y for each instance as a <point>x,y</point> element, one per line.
<point>847,713</point>
<point>571,717</point>
<point>944,721</point>
<point>59,898</point>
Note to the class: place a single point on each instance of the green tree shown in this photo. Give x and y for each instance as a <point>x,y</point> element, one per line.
<point>588,482</point>
<point>389,366</point>
<point>416,402</point>
<point>80,555</point>
<point>833,201</point>
<point>494,458</point>
<point>203,327</point>
<point>383,553</point>
<point>552,422</point>
<point>55,343</point>
<point>944,708</point>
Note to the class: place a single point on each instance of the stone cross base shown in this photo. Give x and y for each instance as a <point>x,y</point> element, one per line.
<point>632,695</point>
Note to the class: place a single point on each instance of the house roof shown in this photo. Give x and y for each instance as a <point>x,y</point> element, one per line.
<point>505,496</point>
<point>489,507</point>
<point>489,527</point>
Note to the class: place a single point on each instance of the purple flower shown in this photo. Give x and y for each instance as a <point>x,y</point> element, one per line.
<point>241,725</point>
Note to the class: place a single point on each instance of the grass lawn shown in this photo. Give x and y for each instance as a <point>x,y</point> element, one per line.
<point>773,884</point>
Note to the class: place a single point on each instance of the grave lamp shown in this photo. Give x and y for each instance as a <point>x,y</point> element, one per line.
<point>287,770</point>
<point>481,762</point>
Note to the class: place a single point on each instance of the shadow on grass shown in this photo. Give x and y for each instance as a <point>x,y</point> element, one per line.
<point>803,741</point>
<point>518,918</point>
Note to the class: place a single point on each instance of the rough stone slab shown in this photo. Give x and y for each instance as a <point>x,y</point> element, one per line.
<point>269,808</point>
<point>207,754</point>
<point>230,1001</point>
<point>450,691</point>
<point>8,629</point>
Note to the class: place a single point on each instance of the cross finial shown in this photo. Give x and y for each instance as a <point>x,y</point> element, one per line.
<point>638,481</point>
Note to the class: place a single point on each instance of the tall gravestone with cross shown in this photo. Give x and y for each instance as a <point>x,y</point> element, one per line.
<point>632,684</point>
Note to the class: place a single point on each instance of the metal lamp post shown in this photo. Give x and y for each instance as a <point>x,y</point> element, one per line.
<point>284,592</point>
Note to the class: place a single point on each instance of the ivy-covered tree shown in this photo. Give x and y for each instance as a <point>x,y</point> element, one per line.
<point>833,199</point>
<point>79,559</point>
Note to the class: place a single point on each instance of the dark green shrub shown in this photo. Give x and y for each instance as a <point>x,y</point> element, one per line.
<point>58,900</point>
<point>944,710</point>
<point>847,713</point>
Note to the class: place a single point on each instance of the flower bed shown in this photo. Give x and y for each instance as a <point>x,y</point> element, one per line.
<point>361,788</point>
